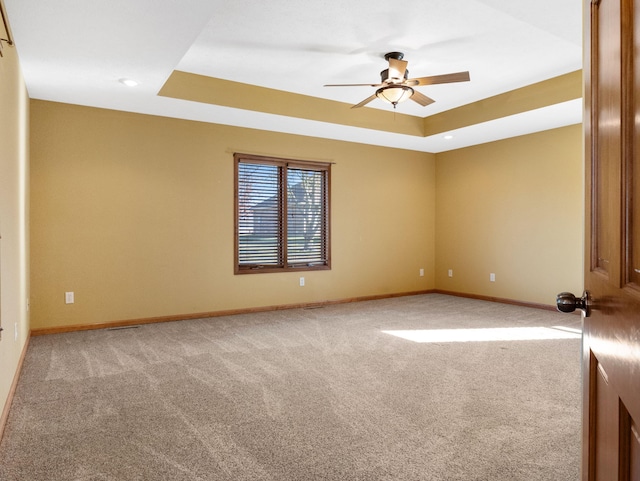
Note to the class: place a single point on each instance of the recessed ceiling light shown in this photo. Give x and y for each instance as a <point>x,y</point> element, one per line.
<point>448,137</point>
<point>128,82</point>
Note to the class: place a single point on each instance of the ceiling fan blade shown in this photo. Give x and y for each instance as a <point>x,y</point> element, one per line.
<point>364,102</point>
<point>439,79</point>
<point>397,68</point>
<point>421,98</point>
<point>352,85</point>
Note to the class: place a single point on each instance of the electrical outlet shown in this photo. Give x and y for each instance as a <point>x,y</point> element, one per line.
<point>450,272</point>
<point>69,298</point>
<point>492,277</point>
<point>421,272</point>
<point>302,282</point>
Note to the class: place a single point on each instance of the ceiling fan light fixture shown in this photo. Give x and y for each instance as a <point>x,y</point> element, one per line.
<point>394,94</point>
<point>395,85</point>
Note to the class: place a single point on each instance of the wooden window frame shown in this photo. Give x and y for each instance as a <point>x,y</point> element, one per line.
<point>284,167</point>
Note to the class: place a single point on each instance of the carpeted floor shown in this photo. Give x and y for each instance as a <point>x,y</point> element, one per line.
<point>307,394</point>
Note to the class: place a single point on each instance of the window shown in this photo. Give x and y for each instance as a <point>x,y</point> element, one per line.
<point>281,215</point>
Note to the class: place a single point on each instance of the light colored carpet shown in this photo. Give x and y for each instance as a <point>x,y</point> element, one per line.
<point>306,394</point>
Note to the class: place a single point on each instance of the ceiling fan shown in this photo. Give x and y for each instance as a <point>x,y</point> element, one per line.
<point>396,86</point>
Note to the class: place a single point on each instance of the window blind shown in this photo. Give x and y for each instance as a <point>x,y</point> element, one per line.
<point>282,215</point>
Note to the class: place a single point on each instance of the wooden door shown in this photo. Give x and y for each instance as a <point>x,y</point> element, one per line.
<point>611,346</point>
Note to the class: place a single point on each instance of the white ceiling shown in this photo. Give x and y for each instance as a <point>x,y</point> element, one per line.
<point>75,51</point>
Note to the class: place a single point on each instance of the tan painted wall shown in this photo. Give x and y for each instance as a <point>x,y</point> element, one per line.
<point>514,208</point>
<point>14,195</point>
<point>134,214</point>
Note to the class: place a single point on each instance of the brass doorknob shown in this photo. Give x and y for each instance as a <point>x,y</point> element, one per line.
<point>567,302</point>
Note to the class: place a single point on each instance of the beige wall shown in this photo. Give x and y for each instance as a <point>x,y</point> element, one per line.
<point>14,194</point>
<point>514,208</point>
<point>134,214</point>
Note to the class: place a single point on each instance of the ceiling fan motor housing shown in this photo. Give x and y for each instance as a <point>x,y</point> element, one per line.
<point>384,75</point>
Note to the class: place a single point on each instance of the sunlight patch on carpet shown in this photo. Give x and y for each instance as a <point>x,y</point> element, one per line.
<point>487,334</point>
